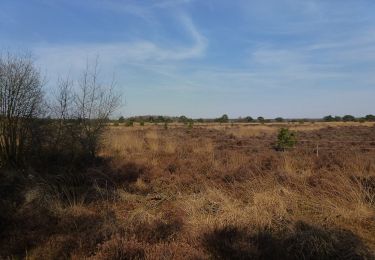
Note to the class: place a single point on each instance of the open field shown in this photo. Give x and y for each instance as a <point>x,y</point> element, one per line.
<point>209,191</point>
<point>185,129</point>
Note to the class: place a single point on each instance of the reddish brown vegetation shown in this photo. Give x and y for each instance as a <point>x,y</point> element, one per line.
<point>201,193</point>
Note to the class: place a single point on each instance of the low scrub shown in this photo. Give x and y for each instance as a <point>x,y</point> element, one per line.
<point>286,139</point>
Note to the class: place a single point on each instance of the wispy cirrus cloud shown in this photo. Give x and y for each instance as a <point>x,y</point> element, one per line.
<point>113,54</point>
<point>333,66</point>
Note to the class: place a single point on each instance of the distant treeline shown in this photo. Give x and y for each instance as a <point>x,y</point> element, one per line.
<point>225,119</point>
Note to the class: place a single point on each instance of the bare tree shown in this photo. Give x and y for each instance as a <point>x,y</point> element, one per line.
<point>79,114</point>
<point>94,103</point>
<point>62,110</point>
<point>21,98</point>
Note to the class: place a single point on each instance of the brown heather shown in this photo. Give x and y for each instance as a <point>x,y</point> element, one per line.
<point>210,191</point>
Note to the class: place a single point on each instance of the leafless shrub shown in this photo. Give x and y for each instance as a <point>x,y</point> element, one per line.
<point>21,99</point>
<point>81,110</point>
<point>77,116</point>
<point>62,108</point>
<point>94,103</point>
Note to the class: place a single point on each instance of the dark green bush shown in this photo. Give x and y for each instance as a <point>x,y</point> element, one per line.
<point>348,118</point>
<point>121,119</point>
<point>285,139</point>
<point>249,119</point>
<point>261,119</point>
<point>223,119</point>
<point>279,119</point>
<point>329,118</point>
<point>370,118</point>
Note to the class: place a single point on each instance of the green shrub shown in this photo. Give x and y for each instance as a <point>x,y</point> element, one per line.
<point>279,119</point>
<point>183,119</point>
<point>328,118</point>
<point>121,119</point>
<point>223,119</point>
<point>370,118</point>
<point>348,118</point>
<point>129,123</point>
<point>161,119</point>
<point>249,119</point>
<point>142,123</point>
<point>285,139</point>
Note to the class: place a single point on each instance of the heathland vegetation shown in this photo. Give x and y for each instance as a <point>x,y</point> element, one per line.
<point>76,183</point>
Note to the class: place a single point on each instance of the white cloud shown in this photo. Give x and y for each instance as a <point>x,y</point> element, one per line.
<point>57,58</point>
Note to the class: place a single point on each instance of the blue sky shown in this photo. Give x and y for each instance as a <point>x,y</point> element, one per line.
<point>289,58</point>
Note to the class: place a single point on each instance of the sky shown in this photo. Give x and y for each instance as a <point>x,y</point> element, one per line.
<point>205,58</point>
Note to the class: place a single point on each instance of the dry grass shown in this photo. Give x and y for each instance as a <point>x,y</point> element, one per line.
<point>215,191</point>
